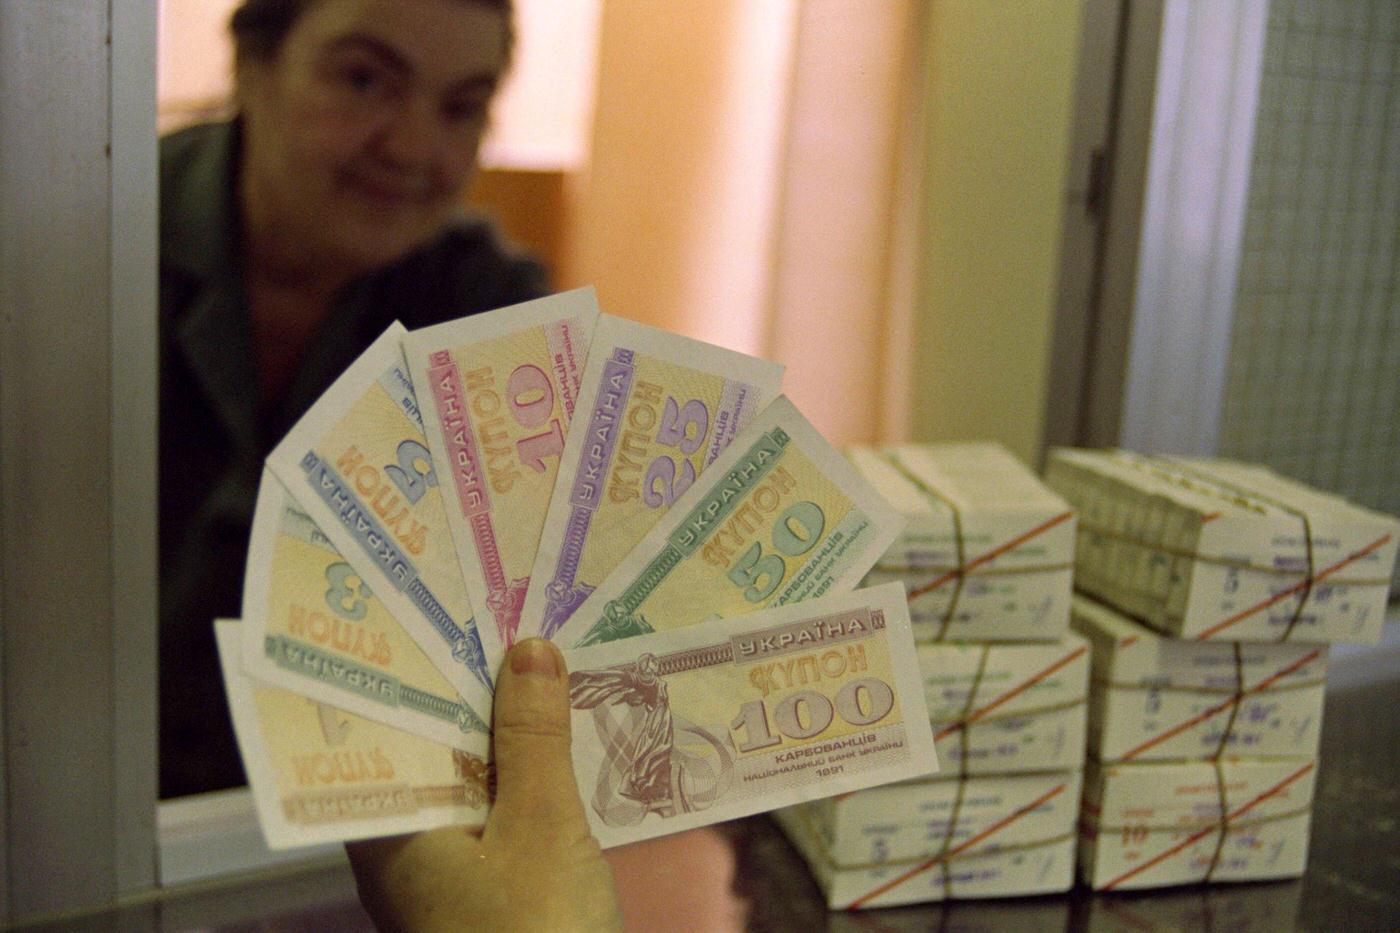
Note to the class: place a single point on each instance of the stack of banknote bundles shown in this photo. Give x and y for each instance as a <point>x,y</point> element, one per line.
<point>1204,727</point>
<point>649,502</point>
<point>1181,731</point>
<point>1155,698</point>
<point>986,556</point>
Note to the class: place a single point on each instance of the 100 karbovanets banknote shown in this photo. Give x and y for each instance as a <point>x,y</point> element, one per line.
<point>688,727</point>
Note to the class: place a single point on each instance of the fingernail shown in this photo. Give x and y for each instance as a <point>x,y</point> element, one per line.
<point>535,656</point>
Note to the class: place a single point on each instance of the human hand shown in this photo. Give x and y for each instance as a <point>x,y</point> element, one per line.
<point>535,865</point>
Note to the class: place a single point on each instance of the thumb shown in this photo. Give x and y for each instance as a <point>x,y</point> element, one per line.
<point>535,787</point>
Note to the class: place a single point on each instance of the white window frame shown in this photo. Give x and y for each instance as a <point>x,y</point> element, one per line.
<point>78,245</point>
<point>1210,58</point>
<point>217,835</point>
<point>1157,343</point>
<point>78,557</point>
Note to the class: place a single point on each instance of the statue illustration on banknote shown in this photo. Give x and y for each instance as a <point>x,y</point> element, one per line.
<point>616,623</point>
<point>478,776</point>
<point>655,761</point>
<point>563,600</point>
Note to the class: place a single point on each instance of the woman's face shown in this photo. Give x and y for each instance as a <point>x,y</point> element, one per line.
<point>361,133</point>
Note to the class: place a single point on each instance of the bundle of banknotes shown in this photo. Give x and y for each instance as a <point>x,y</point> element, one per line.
<point>1202,755</point>
<point>651,503</point>
<point>1216,549</point>
<point>986,556</point>
<point>1211,591</point>
<point>987,551</point>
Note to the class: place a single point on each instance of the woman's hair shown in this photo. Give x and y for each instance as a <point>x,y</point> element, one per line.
<point>259,26</point>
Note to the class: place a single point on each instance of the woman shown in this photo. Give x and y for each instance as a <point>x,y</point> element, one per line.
<point>290,238</point>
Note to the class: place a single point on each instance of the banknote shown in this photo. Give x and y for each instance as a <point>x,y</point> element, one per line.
<point>320,774</point>
<point>680,729</point>
<point>313,625</point>
<point>358,464</point>
<point>498,391</point>
<point>779,517</point>
<point>657,409</point>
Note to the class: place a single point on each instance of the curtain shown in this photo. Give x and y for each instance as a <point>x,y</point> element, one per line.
<point>750,183</point>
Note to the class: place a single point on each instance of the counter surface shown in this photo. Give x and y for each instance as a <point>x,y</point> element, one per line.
<point>1351,881</point>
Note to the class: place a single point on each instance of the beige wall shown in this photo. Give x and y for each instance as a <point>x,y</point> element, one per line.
<point>540,119</point>
<point>834,302</point>
<point>673,215</point>
<point>742,188</point>
<point>997,131</point>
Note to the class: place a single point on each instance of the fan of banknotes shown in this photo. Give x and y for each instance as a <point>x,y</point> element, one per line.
<point>649,502</point>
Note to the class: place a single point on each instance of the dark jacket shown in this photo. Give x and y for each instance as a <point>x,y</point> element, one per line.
<point>214,435</point>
